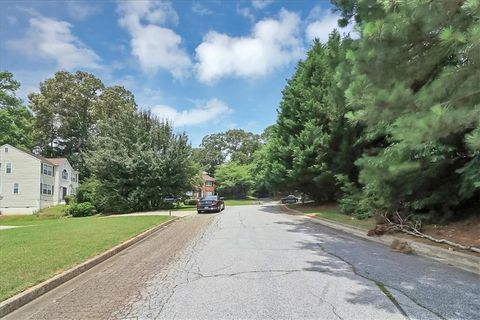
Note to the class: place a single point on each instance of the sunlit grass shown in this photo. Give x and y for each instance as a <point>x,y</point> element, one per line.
<point>40,247</point>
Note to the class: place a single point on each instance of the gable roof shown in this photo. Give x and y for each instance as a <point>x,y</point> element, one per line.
<point>60,162</point>
<point>37,156</point>
<point>57,161</point>
<point>206,177</point>
<point>50,161</point>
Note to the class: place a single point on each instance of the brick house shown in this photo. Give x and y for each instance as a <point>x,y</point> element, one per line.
<point>207,188</point>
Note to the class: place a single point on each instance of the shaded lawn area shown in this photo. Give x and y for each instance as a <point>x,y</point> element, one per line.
<point>43,247</point>
<point>330,212</point>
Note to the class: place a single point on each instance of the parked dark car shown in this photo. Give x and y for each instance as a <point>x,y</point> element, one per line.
<point>289,199</point>
<point>210,204</point>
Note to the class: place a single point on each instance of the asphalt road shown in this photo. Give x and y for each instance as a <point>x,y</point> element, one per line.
<point>253,262</point>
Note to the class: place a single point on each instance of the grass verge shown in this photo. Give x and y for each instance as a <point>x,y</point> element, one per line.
<point>186,207</point>
<point>57,211</point>
<point>40,248</point>
<point>241,202</point>
<point>331,213</point>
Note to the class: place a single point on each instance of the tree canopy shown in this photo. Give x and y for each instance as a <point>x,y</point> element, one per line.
<point>67,110</point>
<point>388,122</point>
<point>233,145</point>
<point>138,161</point>
<point>16,120</point>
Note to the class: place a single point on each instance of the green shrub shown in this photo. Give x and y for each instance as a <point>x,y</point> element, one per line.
<point>69,199</point>
<point>83,209</point>
<point>87,191</point>
<point>190,202</point>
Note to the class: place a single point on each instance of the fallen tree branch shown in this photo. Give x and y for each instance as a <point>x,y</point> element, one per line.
<point>405,225</point>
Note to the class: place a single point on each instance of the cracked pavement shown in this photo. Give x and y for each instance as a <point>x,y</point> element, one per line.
<point>252,262</point>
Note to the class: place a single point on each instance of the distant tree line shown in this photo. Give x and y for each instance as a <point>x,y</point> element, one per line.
<point>388,122</point>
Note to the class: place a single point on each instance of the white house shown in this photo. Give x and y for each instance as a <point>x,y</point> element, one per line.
<point>30,182</point>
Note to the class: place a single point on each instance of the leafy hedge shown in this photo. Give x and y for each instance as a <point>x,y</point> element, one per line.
<point>81,209</point>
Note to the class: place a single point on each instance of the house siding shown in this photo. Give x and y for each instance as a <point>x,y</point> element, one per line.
<point>25,172</point>
<point>64,183</point>
<point>46,199</point>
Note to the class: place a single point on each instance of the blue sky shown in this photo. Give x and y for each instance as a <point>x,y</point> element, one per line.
<point>208,66</point>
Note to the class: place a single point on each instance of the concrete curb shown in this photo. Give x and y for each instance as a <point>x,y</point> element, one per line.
<point>457,259</point>
<point>32,293</point>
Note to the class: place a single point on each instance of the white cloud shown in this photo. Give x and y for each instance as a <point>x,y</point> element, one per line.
<point>52,39</point>
<point>79,10</point>
<point>200,9</point>
<point>212,110</point>
<point>261,4</point>
<point>322,23</point>
<point>246,12</point>
<point>273,43</point>
<point>155,46</point>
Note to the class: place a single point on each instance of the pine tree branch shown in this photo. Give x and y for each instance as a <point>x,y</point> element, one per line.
<point>413,228</point>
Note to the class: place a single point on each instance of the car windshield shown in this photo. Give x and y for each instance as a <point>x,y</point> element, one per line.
<point>210,198</point>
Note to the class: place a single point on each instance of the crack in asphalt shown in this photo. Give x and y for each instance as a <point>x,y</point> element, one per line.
<point>190,254</point>
<point>397,305</point>
<point>334,310</point>
<point>235,274</point>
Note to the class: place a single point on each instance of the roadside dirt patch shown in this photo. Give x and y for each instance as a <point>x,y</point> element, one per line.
<point>464,232</point>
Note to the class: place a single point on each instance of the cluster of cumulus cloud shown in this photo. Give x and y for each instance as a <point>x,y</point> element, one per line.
<point>271,43</point>
<point>275,41</point>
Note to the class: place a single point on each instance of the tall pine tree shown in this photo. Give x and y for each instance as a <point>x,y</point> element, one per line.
<point>416,87</point>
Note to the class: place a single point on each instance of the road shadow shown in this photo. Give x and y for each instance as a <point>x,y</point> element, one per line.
<point>440,288</point>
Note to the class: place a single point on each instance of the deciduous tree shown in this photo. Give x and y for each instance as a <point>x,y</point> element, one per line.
<point>16,120</point>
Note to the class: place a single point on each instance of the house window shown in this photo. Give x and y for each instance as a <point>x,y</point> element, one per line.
<point>46,189</point>
<point>209,193</point>
<point>209,183</point>
<point>8,168</point>
<point>6,150</point>
<point>47,170</point>
<point>15,188</point>
<point>64,174</point>
<point>73,177</point>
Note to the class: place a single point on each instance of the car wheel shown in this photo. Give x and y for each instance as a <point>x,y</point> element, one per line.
<point>199,211</point>
<point>223,207</point>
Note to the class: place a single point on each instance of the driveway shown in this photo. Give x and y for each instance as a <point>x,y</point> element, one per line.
<point>254,262</point>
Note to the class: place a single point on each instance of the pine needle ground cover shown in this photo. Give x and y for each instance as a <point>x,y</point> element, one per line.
<point>331,213</point>
<point>40,248</point>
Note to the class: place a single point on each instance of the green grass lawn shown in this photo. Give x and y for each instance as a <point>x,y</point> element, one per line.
<point>43,247</point>
<point>331,213</point>
<point>241,202</point>
<point>57,211</point>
